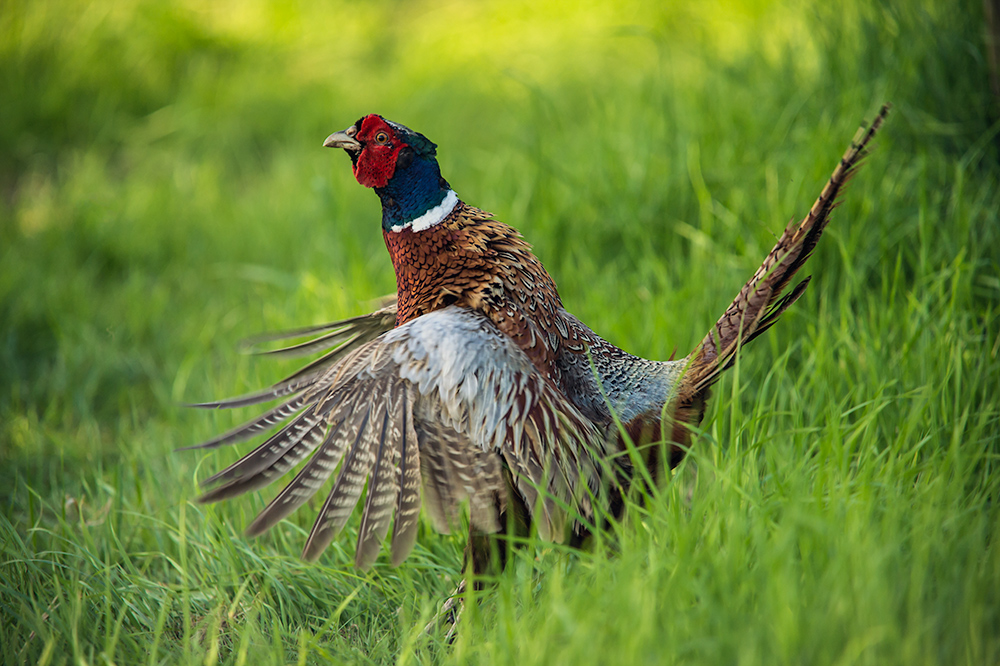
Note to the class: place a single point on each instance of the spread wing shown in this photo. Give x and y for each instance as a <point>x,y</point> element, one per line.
<point>433,407</point>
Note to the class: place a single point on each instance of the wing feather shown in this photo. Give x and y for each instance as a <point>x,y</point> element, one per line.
<point>427,411</point>
<point>441,492</point>
<point>269,461</point>
<point>346,491</point>
<point>406,521</point>
<point>265,421</point>
<point>378,322</point>
<point>309,479</point>
<point>383,485</point>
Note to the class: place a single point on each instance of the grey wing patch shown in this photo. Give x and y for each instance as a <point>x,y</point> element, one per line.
<point>605,378</point>
<point>428,410</point>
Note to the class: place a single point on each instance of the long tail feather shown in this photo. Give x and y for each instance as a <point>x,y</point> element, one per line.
<point>759,304</point>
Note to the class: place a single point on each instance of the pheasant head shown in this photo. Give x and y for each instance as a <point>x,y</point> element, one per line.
<point>444,251</point>
<point>401,166</point>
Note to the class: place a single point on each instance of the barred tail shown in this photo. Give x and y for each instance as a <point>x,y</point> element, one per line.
<point>760,302</point>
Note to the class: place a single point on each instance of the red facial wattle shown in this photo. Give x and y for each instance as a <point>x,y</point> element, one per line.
<point>376,164</point>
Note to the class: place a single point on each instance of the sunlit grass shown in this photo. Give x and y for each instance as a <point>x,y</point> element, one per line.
<point>165,195</point>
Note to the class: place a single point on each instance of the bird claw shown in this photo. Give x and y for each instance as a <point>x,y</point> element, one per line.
<point>449,615</point>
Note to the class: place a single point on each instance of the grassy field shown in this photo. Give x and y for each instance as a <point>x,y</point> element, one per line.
<point>165,196</point>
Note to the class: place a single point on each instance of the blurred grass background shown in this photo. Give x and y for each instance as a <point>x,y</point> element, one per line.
<point>163,195</point>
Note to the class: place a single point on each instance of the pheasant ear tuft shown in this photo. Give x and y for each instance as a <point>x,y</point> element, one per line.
<point>404,158</point>
<point>420,143</point>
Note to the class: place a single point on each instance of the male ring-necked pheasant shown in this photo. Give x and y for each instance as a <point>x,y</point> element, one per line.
<point>476,384</point>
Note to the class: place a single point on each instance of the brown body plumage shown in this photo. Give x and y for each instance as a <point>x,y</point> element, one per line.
<point>476,384</point>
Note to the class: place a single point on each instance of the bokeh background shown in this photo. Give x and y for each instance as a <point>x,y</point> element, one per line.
<point>164,195</point>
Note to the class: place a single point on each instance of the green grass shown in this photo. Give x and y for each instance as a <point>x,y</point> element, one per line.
<point>163,195</point>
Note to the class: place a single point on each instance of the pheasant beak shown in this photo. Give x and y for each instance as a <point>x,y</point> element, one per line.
<point>344,140</point>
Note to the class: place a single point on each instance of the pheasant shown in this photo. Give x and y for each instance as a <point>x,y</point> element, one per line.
<point>476,385</point>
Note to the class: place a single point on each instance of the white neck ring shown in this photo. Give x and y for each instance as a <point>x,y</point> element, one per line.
<point>432,217</point>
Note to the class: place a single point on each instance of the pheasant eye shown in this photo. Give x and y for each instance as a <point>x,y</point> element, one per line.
<point>382,138</point>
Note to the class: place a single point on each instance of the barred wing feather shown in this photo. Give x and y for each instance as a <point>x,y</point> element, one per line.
<point>436,406</point>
